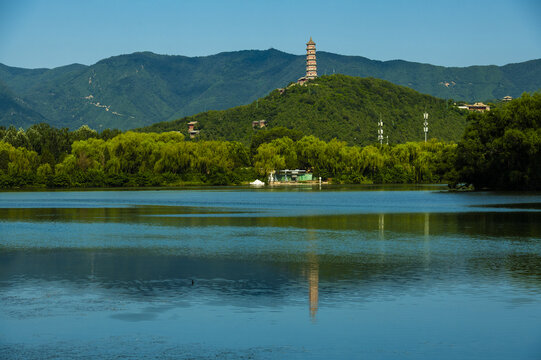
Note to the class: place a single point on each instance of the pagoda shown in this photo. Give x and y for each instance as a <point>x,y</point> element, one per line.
<point>311,66</point>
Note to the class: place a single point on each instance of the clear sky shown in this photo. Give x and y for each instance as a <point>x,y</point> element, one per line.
<point>39,33</point>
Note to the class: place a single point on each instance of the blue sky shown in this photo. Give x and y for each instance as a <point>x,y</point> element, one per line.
<point>37,33</point>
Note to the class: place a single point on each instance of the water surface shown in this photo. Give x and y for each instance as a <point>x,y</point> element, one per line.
<point>337,272</point>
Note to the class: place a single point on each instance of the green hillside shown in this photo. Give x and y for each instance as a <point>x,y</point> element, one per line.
<point>16,110</point>
<point>140,89</point>
<point>336,106</point>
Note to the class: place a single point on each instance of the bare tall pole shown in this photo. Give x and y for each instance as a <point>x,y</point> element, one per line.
<point>425,128</point>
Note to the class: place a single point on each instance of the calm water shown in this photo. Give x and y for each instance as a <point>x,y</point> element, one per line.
<point>232,273</point>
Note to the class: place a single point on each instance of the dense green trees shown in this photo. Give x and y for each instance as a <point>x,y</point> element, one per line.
<point>17,166</point>
<point>501,149</point>
<point>404,163</point>
<point>151,159</point>
<point>337,106</point>
<point>50,143</point>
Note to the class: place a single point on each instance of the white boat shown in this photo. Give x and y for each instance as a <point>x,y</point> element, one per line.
<point>257,182</point>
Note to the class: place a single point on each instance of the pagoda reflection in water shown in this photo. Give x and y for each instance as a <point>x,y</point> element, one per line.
<point>313,285</point>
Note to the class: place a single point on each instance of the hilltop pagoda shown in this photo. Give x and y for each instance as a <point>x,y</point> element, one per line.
<point>311,66</point>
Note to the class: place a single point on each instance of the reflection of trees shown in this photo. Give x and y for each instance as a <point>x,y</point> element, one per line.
<point>367,261</point>
<point>264,279</point>
<point>485,224</point>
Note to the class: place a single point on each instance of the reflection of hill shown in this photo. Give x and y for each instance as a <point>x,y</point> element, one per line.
<point>313,259</point>
<point>140,273</point>
<point>522,268</point>
<point>359,277</point>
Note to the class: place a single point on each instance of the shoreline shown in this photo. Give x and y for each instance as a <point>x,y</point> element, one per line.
<point>326,185</point>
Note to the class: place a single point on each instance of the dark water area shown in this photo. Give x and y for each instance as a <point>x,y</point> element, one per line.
<point>294,273</point>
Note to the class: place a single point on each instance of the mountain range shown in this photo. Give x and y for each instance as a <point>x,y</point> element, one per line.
<point>139,89</point>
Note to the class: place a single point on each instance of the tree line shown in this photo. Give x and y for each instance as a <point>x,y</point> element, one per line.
<point>499,149</point>
<point>151,159</point>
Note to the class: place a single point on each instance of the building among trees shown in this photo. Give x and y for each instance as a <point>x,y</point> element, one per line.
<point>192,129</point>
<point>478,106</point>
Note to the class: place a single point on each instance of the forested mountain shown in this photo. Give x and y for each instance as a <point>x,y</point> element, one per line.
<point>16,110</point>
<point>139,89</point>
<point>336,106</point>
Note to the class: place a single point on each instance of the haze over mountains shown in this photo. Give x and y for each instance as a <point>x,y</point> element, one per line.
<point>140,89</point>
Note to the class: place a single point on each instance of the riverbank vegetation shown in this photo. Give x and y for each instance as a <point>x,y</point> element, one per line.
<point>150,159</point>
<point>500,149</point>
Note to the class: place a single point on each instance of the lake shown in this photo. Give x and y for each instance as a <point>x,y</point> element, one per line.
<point>335,272</point>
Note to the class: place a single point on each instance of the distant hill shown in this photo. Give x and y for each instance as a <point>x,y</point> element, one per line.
<point>14,110</point>
<point>336,106</point>
<point>140,89</point>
